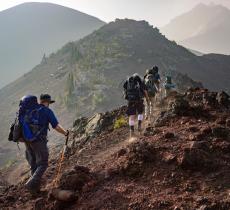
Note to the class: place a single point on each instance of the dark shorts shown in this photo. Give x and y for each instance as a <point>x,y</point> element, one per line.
<point>135,107</point>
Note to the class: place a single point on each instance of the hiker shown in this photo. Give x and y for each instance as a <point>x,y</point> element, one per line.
<point>168,86</point>
<point>155,72</point>
<point>36,148</point>
<point>152,82</point>
<point>135,91</point>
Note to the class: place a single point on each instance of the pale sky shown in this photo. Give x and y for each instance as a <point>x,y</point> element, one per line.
<point>157,12</point>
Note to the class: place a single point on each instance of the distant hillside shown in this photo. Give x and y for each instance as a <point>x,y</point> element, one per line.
<point>205,28</point>
<point>32,29</point>
<point>86,76</point>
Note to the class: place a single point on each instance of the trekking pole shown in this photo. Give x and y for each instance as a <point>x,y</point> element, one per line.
<point>61,160</point>
<point>66,142</point>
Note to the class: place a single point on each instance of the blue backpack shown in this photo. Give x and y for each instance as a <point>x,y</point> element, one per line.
<point>27,124</point>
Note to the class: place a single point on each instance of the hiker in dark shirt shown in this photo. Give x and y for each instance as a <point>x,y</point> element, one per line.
<point>37,153</point>
<point>135,91</point>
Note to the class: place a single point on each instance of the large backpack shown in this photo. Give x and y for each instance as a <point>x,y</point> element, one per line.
<point>27,124</point>
<point>150,81</point>
<point>133,90</point>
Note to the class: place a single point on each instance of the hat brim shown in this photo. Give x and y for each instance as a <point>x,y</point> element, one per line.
<point>52,101</point>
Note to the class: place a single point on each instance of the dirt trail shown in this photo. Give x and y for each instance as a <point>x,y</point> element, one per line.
<point>180,163</point>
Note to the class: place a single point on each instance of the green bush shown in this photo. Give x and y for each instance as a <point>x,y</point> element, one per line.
<point>120,122</point>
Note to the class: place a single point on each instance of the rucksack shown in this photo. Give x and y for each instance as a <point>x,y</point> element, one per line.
<point>133,90</point>
<point>15,133</point>
<point>150,81</point>
<point>168,83</point>
<point>27,124</point>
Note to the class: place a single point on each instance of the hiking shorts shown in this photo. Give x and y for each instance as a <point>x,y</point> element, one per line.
<point>135,107</point>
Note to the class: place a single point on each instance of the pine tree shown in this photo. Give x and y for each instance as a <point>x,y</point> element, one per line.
<point>69,90</point>
<point>70,84</point>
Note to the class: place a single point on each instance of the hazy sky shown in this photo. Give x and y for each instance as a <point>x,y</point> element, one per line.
<point>157,12</point>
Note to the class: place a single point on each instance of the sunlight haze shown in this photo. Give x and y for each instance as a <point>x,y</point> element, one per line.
<point>157,12</point>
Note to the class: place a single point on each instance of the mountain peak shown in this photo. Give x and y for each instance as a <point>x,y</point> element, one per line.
<point>29,5</point>
<point>205,28</point>
<point>42,28</point>
<point>210,6</point>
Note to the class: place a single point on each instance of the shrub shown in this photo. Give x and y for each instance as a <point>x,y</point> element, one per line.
<point>120,122</point>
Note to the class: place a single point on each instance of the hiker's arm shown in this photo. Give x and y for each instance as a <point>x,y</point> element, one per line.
<point>61,130</point>
<point>55,124</point>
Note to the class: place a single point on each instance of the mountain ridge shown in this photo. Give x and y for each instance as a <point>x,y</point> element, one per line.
<point>204,28</point>
<point>36,29</point>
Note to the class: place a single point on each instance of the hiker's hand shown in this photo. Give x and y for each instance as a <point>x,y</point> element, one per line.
<point>67,133</point>
<point>61,130</point>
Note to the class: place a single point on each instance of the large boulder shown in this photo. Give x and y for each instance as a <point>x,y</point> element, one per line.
<point>138,155</point>
<point>196,159</point>
<point>209,99</point>
<point>223,99</point>
<point>91,127</point>
<point>180,106</point>
<point>75,179</point>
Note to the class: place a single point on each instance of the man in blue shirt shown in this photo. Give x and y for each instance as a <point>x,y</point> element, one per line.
<point>37,153</point>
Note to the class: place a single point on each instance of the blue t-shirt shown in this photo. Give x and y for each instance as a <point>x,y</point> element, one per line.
<point>46,117</point>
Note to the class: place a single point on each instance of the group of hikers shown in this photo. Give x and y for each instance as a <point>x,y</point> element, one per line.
<point>32,122</point>
<point>142,94</point>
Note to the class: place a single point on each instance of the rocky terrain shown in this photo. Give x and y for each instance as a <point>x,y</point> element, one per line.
<point>180,162</point>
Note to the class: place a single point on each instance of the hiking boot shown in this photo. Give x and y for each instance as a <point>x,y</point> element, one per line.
<point>33,186</point>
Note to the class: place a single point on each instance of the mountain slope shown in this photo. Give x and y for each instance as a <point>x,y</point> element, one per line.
<point>32,29</point>
<point>181,161</point>
<point>205,28</point>
<point>86,76</point>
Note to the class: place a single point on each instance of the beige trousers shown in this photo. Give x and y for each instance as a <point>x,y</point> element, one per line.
<point>150,107</point>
